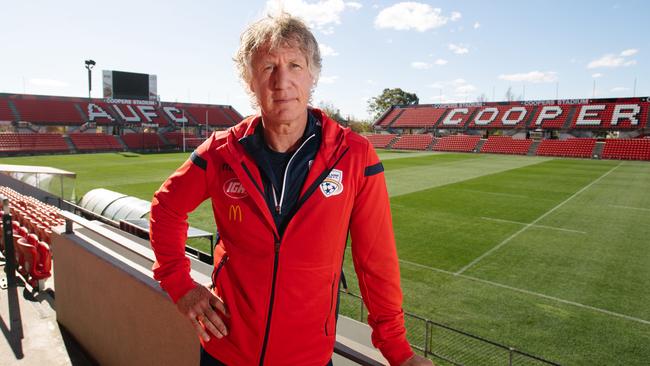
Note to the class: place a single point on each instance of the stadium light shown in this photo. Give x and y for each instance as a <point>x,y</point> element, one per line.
<point>89,65</point>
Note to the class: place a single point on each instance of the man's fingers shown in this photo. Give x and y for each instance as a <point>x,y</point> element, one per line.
<point>199,329</point>
<point>217,304</point>
<point>214,324</point>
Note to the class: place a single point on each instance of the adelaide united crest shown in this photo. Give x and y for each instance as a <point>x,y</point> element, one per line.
<point>333,184</point>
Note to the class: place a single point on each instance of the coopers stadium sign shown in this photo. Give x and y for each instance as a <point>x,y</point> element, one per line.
<point>543,114</point>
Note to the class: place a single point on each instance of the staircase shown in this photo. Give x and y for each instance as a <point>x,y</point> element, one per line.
<point>598,150</point>
<point>119,139</point>
<point>71,147</point>
<point>14,110</point>
<point>533,147</point>
<point>430,146</point>
<point>480,145</point>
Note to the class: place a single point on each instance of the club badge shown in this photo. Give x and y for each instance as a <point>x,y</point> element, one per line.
<point>333,184</point>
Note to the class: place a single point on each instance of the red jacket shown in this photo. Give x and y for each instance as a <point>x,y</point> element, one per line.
<point>282,292</point>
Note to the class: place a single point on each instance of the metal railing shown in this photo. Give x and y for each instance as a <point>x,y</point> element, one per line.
<point>447,345</point>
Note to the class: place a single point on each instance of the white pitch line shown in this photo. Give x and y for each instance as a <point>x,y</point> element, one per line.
<point>541,226</point>
<point>632,208</point>
<point>506,240</point>
<point>528,292</point>
<point>496,193</point>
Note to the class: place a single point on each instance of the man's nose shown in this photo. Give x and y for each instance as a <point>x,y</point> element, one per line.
<point>281,77</point>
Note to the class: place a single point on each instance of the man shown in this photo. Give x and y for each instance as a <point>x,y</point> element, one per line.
<point>286,188</point>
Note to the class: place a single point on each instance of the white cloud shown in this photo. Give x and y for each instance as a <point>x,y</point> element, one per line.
<point>596,75</point>
<point>477,25</point>
<point>327,30</point>
<point>458,49</point>
<point>458,88</point>
<point>532,77</point>
<point>320,15</point>
<point>440,62</point>
<point>619,89</point>
<point>629,52</point>
<point>328,79</point>
<point>418,65</point>
<point>326,50</point>
<point>455,16</point>
<point>49,83</point>
<point>612,60</point>
<point>465,89</point>
<point>412,15</point>
<point>441,99</point>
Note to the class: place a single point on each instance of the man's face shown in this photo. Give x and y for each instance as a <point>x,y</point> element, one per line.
<point>282,83</point>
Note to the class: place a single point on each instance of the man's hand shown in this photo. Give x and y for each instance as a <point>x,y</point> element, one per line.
<point>417,360</point>
<point>199,305</point>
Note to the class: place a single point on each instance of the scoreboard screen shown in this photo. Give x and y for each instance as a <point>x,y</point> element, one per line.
<point>129,85</point>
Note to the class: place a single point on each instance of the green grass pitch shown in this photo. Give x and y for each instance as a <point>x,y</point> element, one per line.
<point>551,256</point>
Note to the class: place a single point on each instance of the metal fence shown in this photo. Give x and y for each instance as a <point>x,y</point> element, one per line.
<point>448,346</point>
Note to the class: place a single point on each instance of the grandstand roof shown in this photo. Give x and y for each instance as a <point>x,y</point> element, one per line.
<point>35,169</point>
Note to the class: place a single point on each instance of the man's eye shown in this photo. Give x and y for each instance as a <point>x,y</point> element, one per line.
<point>296,66</point>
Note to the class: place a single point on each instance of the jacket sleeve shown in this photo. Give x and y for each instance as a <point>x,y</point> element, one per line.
<point>376,263</point>
<point>179,195</point>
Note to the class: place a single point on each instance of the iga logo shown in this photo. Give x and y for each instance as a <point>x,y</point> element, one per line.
<point>333,184</point>
<point>234,189</point>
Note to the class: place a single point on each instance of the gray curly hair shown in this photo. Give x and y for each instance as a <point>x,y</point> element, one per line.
<point>276,31</point>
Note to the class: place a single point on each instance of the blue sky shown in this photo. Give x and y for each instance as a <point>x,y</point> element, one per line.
<point>449,51</point>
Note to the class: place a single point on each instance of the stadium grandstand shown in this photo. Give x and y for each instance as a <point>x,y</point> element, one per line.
<point>35,124</point>
<point>614,128</point>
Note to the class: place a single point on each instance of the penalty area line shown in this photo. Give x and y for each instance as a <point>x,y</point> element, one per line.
<point>540,226</point>
<point>528,292</point>
<point>507,240</point>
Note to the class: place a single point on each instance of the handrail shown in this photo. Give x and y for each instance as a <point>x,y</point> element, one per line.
<point>71,219</point>
<point>355,355</point>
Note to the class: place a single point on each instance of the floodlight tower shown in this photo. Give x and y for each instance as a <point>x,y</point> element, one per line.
<point>89,65</point>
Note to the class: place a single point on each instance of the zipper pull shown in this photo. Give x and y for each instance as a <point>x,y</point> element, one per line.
<point>278,209</point>
<point>277,246</point>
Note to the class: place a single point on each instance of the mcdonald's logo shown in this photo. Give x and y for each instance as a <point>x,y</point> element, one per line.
<point>234,213</point>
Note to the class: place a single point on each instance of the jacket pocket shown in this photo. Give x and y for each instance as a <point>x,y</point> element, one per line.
<point>330,321</point>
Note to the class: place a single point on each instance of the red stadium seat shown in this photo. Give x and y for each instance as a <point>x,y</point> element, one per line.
<point>413,142</point>
<point>458,143</point>
<point>627,149</point>
<point>506,145</point>
<point>381,141</point>
<point>574,148</point>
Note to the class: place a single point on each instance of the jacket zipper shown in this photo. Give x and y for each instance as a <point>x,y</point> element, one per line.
<point>276,258</point>
<point>278,205</point>
<point>217,269</point>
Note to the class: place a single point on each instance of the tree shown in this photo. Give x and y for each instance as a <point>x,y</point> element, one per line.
<point>482,98</point>
<point>359,126</point>
<point>388,98</point>
<point>333,112</point>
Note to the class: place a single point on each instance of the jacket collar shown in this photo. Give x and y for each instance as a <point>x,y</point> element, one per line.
<point>333,145</point>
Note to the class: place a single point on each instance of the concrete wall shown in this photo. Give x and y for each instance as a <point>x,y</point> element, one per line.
<point>112,306</point>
